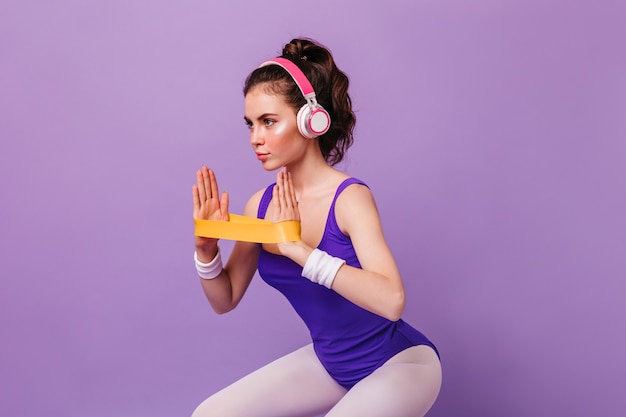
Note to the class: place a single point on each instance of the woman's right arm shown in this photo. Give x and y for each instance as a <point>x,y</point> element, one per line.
<point>226,290</point>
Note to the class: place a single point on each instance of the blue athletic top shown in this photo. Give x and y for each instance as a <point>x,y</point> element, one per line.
<point>350,341</point>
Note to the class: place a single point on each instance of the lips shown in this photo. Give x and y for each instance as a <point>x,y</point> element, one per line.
<point>261,156</point>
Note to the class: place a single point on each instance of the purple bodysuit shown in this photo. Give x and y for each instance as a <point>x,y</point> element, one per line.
<point>350,341</point>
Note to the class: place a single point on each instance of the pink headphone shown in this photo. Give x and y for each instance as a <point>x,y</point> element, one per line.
<point>313,120</point>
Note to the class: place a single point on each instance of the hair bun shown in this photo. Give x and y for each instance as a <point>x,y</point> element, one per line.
<point>297,49</point>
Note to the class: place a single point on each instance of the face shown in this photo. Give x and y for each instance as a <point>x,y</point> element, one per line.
<point>274,133</point>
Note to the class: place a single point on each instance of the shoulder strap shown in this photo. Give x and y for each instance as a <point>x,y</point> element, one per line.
<point>345,184</point>
<point>265,201</point>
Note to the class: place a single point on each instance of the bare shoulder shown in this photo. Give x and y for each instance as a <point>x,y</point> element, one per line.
<point>252,206</point>
<point>353,194</point>
<point>356,204</point>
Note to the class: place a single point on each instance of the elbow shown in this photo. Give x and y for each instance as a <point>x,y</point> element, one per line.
<point>394,315</point>
<point>395,308</point>
<point>222,308</point>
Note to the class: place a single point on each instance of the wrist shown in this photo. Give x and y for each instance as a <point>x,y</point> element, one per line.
<point>297,251</point>
<point>207,251</point>
<point>322,268</point>
<point>211,269</point>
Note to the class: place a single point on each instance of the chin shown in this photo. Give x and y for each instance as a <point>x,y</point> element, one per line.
<point>271,167</point>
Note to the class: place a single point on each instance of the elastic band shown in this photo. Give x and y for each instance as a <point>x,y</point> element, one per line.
<point>248,229</point>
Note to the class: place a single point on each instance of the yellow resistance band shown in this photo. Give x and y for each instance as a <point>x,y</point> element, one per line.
<point>248,229</point>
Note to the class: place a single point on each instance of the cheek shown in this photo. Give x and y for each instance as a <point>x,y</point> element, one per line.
<point>282,129</point>
<point>284,132</point>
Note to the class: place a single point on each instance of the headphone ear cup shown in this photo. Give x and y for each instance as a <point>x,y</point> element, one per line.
<point>303,121</point>
<point>312,123</point>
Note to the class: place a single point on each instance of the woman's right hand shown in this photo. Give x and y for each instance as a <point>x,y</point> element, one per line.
<point>208,205</point>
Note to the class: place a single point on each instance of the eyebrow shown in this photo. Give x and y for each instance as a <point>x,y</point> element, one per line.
<point>261,117</point>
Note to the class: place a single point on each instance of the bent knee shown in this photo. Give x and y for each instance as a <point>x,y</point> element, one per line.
<point>199,411</point>
<point>208,408</point>
<point>222,404</point>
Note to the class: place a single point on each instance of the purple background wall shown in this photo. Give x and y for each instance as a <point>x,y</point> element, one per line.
<point>492,133</point>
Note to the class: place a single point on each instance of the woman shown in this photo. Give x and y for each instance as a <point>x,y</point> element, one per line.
<point>341,277</point>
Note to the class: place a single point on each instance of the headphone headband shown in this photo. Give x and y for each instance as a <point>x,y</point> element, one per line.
<point>296,73</point>
<point>313,120</point>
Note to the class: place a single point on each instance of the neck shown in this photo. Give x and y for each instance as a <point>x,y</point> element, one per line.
<point>310,172</point>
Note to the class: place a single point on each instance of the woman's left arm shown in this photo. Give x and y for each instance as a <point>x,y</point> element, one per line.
<point>377,285</point>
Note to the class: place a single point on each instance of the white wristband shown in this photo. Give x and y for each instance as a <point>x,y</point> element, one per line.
<point>210,270</point>
<point>322,268</point>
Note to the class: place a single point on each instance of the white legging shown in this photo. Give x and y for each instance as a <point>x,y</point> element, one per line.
<point>297,385</point>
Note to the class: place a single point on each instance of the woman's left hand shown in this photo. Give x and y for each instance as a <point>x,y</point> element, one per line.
<point>284,208</point>
<point>284,202</point>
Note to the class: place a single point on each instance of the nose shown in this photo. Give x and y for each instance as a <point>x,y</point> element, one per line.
<point>256,137</point>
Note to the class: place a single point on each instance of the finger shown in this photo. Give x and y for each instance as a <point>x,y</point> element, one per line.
<point>276,200</point>
<point>224,206</point>
<point>196,198</point>
<point>200,186</point>
<point>213,184</point>
<point>294,200</point>
<point>207,182</point>
<point>288,190</point>
<point>281,188</point>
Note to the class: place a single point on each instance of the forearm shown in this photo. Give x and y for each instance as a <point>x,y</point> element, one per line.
<point>372,291</point>
<point>224,288</point>
<point>219,293</point>
<point>214,278</point>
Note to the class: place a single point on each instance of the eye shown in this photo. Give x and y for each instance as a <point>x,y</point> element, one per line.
<point>269,122</point>
<point>248,123</point>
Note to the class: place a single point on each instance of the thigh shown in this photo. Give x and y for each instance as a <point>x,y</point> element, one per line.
<point>295,385</point>
<point>405,386</point>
